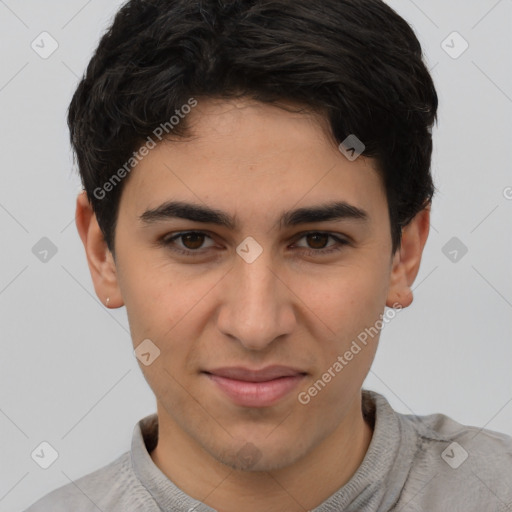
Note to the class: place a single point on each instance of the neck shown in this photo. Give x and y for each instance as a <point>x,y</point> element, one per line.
<point>303,485</point>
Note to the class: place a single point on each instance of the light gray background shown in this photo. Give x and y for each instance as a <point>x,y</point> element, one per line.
<point>67,371</point>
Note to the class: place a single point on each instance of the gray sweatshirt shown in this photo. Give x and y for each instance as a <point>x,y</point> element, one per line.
<point>427,463</point>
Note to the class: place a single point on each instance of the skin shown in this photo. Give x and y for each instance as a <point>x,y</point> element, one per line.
<point>255,161</point>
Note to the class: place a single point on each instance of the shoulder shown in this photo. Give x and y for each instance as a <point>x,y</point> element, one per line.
<point>113,488</point>
<point>457,466</point>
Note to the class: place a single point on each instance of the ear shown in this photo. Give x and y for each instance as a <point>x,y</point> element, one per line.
<point>406,260</point>
<point>99,258</point>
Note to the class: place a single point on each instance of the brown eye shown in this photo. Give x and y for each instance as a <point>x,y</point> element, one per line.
<point>189,243</point>
<point>317,240</point>
<point>193,240</point>
<point>319,243</point>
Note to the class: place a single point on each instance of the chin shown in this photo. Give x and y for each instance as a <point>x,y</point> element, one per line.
<point>257,456</point>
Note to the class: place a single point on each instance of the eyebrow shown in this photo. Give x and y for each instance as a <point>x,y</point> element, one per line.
<point>338,210</point>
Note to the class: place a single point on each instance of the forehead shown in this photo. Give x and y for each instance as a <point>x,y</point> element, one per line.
<point>246,155</point>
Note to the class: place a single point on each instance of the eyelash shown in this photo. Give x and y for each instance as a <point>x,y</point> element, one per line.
<point>340,243</point>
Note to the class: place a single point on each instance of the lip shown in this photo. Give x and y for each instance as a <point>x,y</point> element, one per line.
<point>256,388</point>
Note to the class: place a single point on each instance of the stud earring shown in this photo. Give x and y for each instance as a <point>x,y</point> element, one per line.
<point>108,301</point>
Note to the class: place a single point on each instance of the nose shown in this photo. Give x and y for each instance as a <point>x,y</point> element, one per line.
<point>257,306</point>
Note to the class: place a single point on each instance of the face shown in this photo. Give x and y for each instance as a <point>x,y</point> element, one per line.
<point>281,258</point>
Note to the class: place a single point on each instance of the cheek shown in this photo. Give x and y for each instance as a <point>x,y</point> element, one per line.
<point>165,305</point>
<point>144,299</point>
<point>346,300</point>
<point>349,305</point>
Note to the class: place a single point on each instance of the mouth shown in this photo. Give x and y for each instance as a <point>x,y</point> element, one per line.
<point>255,388</point>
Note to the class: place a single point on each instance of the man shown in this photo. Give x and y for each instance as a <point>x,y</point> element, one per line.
<point>257,191</point>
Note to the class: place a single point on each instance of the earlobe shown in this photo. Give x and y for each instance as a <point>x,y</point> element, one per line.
<point>407,259</point>
<point>99,258</point>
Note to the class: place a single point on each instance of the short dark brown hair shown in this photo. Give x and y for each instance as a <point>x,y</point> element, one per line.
<point>357,62</point>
